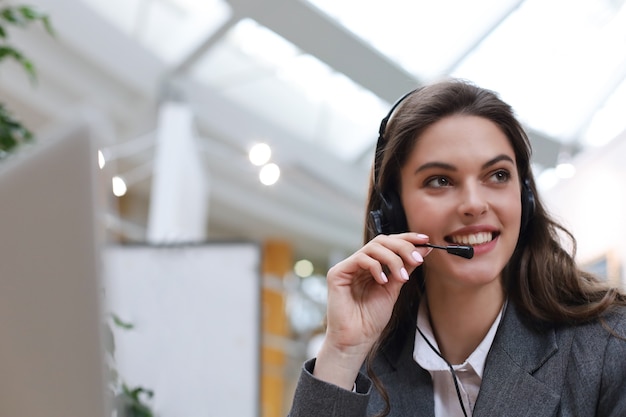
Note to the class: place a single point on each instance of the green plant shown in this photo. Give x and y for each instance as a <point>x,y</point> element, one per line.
<point>12,131</point>
<point>126,401</point>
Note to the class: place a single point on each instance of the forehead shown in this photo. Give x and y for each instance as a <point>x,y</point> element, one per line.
<point>462,138</point>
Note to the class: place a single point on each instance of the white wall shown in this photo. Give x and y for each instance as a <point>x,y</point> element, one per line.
<point>592,204</point>
<point>196,312</point>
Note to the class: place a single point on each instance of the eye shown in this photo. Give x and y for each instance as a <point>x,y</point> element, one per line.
<point>438,182</point>
<point>500,176</point>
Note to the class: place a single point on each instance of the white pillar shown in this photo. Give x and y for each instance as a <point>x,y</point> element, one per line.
<point>179,197</point>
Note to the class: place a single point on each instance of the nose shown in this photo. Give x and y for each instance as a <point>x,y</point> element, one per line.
<point>473,201</point>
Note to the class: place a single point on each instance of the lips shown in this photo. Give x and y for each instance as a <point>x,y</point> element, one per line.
<point>472,239</point>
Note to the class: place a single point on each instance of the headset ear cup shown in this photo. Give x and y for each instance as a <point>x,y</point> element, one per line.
<point>376,221</point>
<point>528,204</point>
<point>389,218</point>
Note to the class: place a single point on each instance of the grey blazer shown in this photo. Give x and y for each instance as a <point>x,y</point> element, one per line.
<point>569,371</point>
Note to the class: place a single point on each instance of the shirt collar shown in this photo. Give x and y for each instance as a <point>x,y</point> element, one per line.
<point>430,361</point>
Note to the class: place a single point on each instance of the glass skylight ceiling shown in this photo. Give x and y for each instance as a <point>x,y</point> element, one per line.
<point>170,28</point>
<point>258,70</point>
<point>426,37</point>
<point>557,62</point>
<point>568,61</point>
<point>271,77</point>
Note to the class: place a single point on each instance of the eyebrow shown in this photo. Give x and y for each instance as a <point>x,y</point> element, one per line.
<point>449,167</point>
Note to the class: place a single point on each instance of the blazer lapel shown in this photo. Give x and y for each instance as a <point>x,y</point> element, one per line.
<point>410,387</point>
<point>509,387</point>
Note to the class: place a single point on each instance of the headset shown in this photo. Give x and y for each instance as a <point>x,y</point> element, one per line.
<point>389,217</point>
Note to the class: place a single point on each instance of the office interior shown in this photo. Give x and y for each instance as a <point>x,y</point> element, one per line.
<point>250,125</point>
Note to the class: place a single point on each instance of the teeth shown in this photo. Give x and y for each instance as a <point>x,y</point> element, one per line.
<point>474,239</point>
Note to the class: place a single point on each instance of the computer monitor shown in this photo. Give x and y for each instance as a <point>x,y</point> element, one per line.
<point>51,356</point>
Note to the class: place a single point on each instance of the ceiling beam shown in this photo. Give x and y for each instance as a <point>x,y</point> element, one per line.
<point>349,179</point>
<point>482,36</point>
<point>82,29</point>
<point>186,63</point>
<point>319,35</point>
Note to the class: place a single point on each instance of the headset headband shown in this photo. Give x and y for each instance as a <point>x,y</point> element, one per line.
<point>381,133</point>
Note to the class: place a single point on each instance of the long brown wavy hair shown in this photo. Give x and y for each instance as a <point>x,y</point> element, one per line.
<point>541,278</point>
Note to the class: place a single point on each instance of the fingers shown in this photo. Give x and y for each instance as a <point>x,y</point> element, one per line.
<point>396,254</point>
<point>386,257</point>
<point>363,288</point>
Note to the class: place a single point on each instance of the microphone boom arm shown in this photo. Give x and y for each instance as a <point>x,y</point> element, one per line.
<point>466,252</point>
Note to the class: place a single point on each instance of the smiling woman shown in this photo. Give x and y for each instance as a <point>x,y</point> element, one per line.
<point>421,333</point>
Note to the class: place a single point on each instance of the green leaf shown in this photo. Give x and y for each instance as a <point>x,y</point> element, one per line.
<point>23,15</point>
<point>134,393</point>
<point>10,52</point>
<point>22,134</point>
<point>7,141</point>
<point>11,15</point>
<point>7,51</point>
<point>12,132</point>
<point>29,67</point>
<point>131,404</point>
<point>139,410</point>
<point>32,14</point>
<point>48,25</point>
<point>120,323</point>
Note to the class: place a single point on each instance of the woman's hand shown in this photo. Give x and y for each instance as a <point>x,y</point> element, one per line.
<point>362,291</point>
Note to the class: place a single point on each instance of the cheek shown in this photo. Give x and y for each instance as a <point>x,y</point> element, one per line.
<point>423,216</point>
<point>511,208</point>
<point>508,212</point>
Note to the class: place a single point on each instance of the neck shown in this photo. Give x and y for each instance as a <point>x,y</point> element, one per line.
<point>461,320</point>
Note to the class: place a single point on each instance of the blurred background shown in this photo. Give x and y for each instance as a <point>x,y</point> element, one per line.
<point>256,121</point>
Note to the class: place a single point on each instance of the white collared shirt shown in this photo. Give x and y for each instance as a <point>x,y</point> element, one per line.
<point>469,373</point>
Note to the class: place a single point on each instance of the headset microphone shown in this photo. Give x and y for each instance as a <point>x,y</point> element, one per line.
<point>466,252</point>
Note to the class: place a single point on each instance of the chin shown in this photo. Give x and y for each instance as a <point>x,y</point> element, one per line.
<point>467,275</point>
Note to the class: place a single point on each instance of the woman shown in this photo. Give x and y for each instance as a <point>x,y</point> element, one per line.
<point>515,330</point>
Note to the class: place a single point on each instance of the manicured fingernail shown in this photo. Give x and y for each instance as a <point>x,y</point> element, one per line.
<point>417,256</point>
<point>405,275</point>
<point>422,236</point>
<point>384,277</point>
